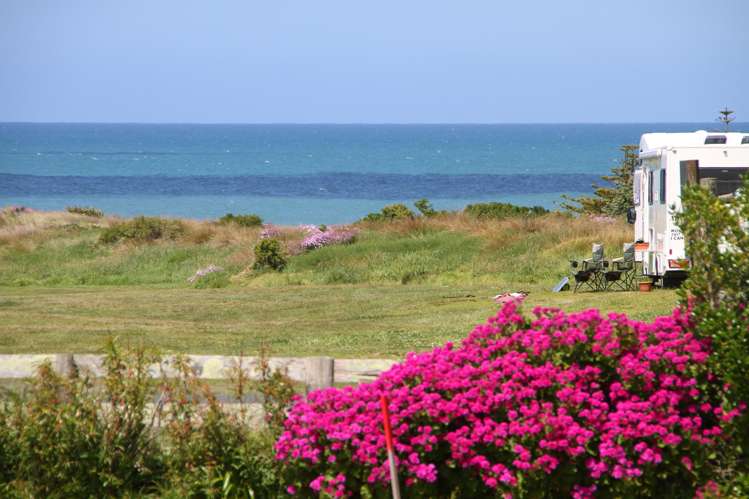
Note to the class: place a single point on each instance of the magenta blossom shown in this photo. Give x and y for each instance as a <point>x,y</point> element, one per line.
<point>597,403</point>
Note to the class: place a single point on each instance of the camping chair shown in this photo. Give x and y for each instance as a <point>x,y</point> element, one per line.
<point>588,272</point>
<point>621,275</point>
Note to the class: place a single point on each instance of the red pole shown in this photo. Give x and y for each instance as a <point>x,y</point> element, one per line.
<point>391,453</point>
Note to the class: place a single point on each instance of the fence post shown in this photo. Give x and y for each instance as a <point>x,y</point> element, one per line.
<point>64,364</point>
<point>320,372</point>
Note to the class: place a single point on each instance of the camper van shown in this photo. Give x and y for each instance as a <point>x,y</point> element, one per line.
<point>666,163</point>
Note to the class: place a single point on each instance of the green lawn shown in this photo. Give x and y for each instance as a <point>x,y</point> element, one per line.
<point>334,320</point>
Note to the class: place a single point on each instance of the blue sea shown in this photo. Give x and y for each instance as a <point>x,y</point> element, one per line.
<point>293,174</point>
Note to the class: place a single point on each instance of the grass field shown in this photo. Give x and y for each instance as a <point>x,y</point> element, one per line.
<point>340,321</point>
<point>402,286</point>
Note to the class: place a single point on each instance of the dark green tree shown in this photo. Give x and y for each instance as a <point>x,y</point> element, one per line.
<point>613,199</point>
<point>726,117</point>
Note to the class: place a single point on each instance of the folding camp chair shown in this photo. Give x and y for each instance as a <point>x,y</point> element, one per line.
<point>589,273</point>
<point>621,275</point>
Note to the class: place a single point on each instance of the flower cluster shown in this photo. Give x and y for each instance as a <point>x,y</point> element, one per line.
<point>270,232</point>
<point>576,404</point>
<point>317,238</point>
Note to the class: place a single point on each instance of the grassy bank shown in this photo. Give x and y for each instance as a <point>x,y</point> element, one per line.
<point>64,249</point>
<point>402,286</point>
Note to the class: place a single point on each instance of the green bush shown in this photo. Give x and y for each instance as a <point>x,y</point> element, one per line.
<point>269,255</point>
<point>249,220</point>
<point>717,290</point>
<point>71,437</point>
<point>89,211</point>
<point>143,229</point>
<point>503,210</point>
<point>398,211</point>
<point>128,435</point>
<point>425,207</point>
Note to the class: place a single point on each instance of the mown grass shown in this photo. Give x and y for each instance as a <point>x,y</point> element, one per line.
<point>335,320</point>
<point>404,285</point>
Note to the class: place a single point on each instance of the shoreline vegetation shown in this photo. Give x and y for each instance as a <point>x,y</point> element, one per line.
<point>401,280</point>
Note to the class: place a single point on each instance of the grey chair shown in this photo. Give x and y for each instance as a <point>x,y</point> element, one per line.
<point>588,273</point>
<point>621,274</point>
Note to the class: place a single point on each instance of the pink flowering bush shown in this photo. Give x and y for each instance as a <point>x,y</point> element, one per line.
<point>317,238</point>
<point>548,406</point>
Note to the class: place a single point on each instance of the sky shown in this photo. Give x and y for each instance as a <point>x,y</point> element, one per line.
<point>384,61</point>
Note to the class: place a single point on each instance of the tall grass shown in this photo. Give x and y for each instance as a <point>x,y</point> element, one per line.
<point>63,249</point>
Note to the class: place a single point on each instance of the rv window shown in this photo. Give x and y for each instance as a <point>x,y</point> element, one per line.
<point>745,139</point>
<point>663,187</point>
<point>688,170</point>
<point>715,139</point>
<point>638,188</point>
<point>650,187</point>
<point>727,180</point>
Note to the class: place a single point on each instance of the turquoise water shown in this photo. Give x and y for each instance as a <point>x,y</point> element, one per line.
<point>302,173</point>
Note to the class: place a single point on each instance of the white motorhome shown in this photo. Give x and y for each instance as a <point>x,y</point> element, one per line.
<point>667,162</point>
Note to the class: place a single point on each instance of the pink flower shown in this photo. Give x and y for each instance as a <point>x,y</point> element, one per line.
<point>521,397</point>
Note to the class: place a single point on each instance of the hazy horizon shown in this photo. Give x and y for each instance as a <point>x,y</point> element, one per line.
<point>331,123</point>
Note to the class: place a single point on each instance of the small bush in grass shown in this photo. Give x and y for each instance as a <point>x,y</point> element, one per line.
<point>503,210</point>
<point>269,255</point>
<point>89,211</point>
<point>249,220</point>
<point>554,405</point>
<point>143,229</point>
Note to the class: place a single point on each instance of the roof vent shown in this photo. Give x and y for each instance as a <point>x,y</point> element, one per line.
<point>745,140</point>
<point>715,139</point>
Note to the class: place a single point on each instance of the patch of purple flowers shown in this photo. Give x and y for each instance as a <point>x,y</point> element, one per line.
<point>317,238</point>
<point>270,232</point>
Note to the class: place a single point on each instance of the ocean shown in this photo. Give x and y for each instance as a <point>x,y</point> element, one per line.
<point>290,174</point>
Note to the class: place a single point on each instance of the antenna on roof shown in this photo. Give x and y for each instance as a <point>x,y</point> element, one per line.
<point>726,117</point>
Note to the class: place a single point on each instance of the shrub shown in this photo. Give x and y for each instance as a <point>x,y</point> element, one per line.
<point>503,210</point>
<point>89,211</point>
<point>71,438</point>
<point>269,255</point>
<point>143,229</point>
<point>250,220</point>
<point>425,207</point>
<point>126,435</point>
<point>717,289</point>
<point>389,213</point>
<point>546,406</point>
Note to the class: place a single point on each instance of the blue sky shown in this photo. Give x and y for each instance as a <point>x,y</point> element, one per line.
<point>395,61</point>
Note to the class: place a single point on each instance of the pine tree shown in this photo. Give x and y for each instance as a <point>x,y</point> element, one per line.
<point>613,199</point>
<point>726,117</point>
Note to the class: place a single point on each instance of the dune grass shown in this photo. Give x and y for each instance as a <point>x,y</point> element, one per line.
<point>65,249</point>
<point>405,285</point>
